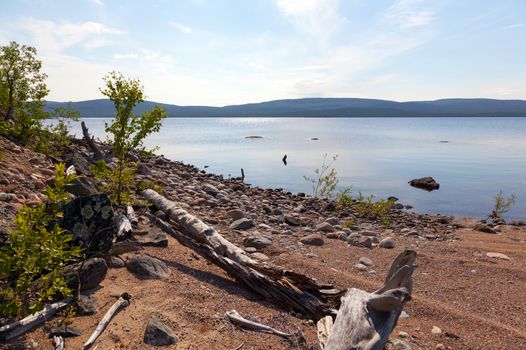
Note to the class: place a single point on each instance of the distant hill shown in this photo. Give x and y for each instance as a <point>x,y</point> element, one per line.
<point>323,107</point>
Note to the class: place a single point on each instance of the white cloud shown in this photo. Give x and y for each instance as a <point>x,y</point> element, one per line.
<point>183,28</point>
<point>319,17</point>
<point>516,25</point>
<point>98,2</point>
<point>409,13</point>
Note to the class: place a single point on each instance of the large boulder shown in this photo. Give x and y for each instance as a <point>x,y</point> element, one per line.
<point>425,183</point>
<point>90,220</point>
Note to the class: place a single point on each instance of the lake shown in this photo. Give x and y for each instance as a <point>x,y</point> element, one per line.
<point>472,158</point>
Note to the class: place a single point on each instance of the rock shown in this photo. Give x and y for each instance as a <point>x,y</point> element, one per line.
<point>361,267</point>
<point>387,243</point>
<point>90,220</point>
<point>293,220</point>
<point>440,346</point>
<point>116,263</point>
<point>147,267</point>
<point>497,256</point>
<point>79,162</point>
<point>360,241</point>
<point>436,330</point>
<point>153,239</point>
<point>157,333</point>
<point>366,261</point>
<point>257,242</point>
<point>210,189</point>
<point>89,273</point>
<point>86,305</point>
<point>397,344</point>
<point>485,228</point>
<point>403,335</point>
<point>325,227</point>
<point>333,221</point>
<point>334,235</point>
<point>7,197</point>
<point>144,169</point>
<point>235,214</point>
<point>259,256</point>
<point>65,331</point>
<point>425,183</point>
<point>313,239</point>
<point>464,222</point>
<point>82,186</point>
<point>241,224</point>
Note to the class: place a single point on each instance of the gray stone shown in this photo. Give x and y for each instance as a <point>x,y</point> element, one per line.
<point>7,197</point>
<point>360,241</point>
<point>210,189</point>
<point>144,169</point>
<point>241,224</point>
<point>235,214</point>
<point>153,239</point>
<point>65,331</point>
<point>464,222</point>
<point>158,334</point>
<point>79,162</point>
<point>366,261</point>
<point>325,227</point>
<point>293,220</point>
<point>257,242</point>
<point>425,183</point>
<point>147,267</point>
<point>89,273</point>
<point>361,267</point>
<point>86,305</point>
<point>398,344</point>
<point>387,243</point>
<point>82,186</point>
<point>259,256</point>
<point>313,239</point>
<point>333,221</point>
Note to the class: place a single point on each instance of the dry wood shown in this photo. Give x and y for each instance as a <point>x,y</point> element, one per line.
<point>324,327</point>
<point>58,342</point>
<point>292,290</point>
<point>124,300</point>
<point>234,317</point>
<point>124,226</point>
<point>91,143</point>
<point>365,320</point>
<point>18,328</point>
<point>130,213</point>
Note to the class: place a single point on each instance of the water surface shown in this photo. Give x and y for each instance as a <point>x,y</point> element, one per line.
<point>471,158</point>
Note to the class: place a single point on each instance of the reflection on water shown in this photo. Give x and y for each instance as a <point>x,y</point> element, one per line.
<point>376,155</point>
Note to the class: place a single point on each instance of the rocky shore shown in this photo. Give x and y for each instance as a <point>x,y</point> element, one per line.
<point>467,291</point>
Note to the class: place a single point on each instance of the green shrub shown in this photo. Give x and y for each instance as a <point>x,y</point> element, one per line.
<point>55,138</point>
<point>118,183</point>
<point>324,181</point>
<point>502,205</point>
<point>344,197</point>
<point>368,207</point>
<point>37,248</point>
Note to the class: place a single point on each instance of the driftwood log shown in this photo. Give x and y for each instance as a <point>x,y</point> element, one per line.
<point>58,342</point>
<point>91,143</point>
<point>365,320</point>
<point>124,300</point>
<point>18,328</point>
<point>235,318</point>
<point>123,225</point>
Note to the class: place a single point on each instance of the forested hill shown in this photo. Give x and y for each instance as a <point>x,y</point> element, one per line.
<point>323,107</point>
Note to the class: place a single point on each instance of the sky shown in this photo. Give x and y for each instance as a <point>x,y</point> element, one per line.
<point>221,52</point>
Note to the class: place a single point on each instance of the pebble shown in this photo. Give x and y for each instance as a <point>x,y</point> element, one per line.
<point>366,261</point>
<point>361,267</point>
<point>440,346</point>
<point>403,335</point>
<point>325,227</point>
<point>387,243</point>
<point>241,224</point>
<point>436,330</point>
<point>313,239</point>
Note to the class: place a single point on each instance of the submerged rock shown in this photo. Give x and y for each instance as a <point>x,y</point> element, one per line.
<point>425,183</point>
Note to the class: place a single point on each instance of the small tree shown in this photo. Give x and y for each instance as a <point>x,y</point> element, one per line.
<point>22,90</point>
<point>502,205</point>
<point>127,129</point>
<point>325,180</point>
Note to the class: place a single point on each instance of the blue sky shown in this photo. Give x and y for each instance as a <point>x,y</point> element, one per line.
<point>218,52</point>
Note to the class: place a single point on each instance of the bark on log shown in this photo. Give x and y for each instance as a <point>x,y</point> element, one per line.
<point>365,320</point>
<point>91,143</point>
<point>18,328</point>
<point>292,290</point>
<point>124,300</point>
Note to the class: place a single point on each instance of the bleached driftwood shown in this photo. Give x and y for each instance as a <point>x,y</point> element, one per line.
<point>324,327</point>
<point>124,226</point>
<point>91,143</point>
<point>292,290</point>
<point>365,320</point>
<point>130,213</point>
<point>234,317</point>
<point>18,328</point>
<point>58,342</point>
<point>124,300</point>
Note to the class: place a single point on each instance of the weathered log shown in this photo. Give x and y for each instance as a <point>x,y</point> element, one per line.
<point>124,300</point>
<point>365,320</point>
<point>292,290</point>
<point>130,213</point>
<point>324,327</point>
<point>18,328</point>
<point>234,317</point>
<point>123,225</point>
<point>91,143</point>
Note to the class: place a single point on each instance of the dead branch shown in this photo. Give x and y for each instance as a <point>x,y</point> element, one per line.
<point>18,328</point>
<point>58,342</point>
<point>234,317</point>
<point>91,143</point>
<point>124,300</point>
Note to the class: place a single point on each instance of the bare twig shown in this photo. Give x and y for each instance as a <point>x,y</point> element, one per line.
<point>234,317</point>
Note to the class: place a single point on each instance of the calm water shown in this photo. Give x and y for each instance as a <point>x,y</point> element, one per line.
<point>376,155</point>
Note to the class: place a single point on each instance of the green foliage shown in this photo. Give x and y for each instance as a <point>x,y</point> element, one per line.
<point>379,209</point>
<point>55,138</point>
<point>22,92</point>
<point>128,130</point>
<point>37,248</point>
<point>502,205</point>
<point>348,222</point>
<point>148,184</point>
<point>324,181</point>
<point>344,197</point>
<point>118,183</point>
